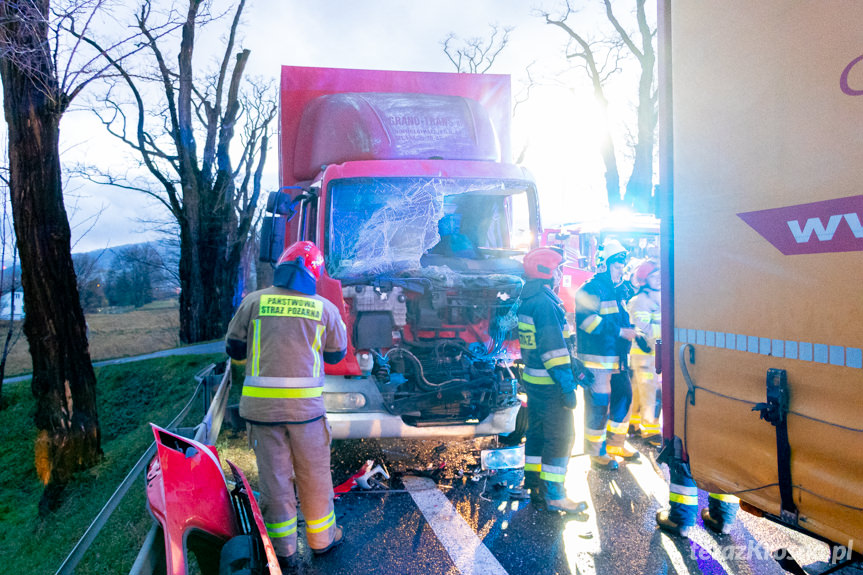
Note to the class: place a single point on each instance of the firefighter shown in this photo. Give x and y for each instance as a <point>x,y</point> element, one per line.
<point>646,383</point>
<point>604,339</point>
<point>285,333</point>
<point>549,382</point>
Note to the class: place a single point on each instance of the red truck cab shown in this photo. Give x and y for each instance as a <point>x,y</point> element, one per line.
<point>398,178</point>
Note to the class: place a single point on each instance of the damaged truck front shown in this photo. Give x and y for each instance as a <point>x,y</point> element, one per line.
<point>398,178</point>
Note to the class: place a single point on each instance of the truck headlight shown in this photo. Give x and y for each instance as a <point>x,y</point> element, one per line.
<point>344,401</point>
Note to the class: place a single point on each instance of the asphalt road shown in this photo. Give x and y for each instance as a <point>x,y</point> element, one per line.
<point>436,515</point>
<point>439,514</point>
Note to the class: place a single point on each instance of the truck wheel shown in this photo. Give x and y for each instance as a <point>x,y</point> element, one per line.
<point>517,435</point>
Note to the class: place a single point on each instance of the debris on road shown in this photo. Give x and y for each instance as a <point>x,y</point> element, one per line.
<point>368,479</point>
<point>432,472</point>
<point>503,458</point>
<point>364,471</point>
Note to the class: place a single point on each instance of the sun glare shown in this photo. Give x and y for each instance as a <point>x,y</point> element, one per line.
<point>559,131</point>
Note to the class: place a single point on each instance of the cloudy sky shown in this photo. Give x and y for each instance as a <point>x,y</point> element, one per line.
<point>557,123</point>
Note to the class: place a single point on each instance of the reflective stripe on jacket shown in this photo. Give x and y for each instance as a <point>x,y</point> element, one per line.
<point>285,335</point>
<point>541,326</point>
<point>599,315</point>
<point>647,319</point>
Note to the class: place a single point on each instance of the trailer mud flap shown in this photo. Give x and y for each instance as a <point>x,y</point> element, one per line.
<point>775,411</point>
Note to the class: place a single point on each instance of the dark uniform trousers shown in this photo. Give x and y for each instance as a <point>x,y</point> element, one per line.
<point>683,499</point>
<point>607,404</point>
<point>549,439</point>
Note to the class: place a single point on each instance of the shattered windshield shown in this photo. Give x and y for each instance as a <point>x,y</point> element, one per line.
<point>388,226</point>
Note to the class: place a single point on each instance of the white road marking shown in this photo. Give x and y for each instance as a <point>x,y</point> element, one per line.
<point>581,540</point>
<point>467,551</point>
<point>716,551</point>
<point>674,556</point>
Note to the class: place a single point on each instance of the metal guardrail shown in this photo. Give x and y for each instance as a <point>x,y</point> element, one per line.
<point>205,432</point>
<point>152,551</point>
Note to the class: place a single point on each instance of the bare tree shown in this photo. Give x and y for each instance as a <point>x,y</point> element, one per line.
<point>212,200</point>
<point>476,55</point>
<point>601,59</point>
<point>166,249</point>
<point>43,69</point>
<point>134,275</point>
<point>89,279</point>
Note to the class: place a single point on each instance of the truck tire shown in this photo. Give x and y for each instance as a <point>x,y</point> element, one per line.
<point>237,557</point>
<point>517,435</point>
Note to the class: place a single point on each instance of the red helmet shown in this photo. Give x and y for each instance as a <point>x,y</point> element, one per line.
<point>540,263</point>
<point>309,255</point>
<point>644,270</point>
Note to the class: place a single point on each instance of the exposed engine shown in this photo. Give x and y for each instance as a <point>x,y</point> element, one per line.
<point>438,348</point>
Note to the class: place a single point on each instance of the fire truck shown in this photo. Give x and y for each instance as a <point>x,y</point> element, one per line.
<point>581,242</point>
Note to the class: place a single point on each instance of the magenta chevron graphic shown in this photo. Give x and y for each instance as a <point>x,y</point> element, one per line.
<point>820,227</point>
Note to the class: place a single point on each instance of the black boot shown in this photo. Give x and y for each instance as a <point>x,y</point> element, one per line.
<point>338,539</point>
<point>537,497</point>
<point>289,565</point>
<point>666,524</point>
<point>567,505</point>
<point>715,525</point>
<point>603,462</point>
<point>623,453</point>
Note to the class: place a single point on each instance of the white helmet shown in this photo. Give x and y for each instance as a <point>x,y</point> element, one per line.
<point>610,249</point>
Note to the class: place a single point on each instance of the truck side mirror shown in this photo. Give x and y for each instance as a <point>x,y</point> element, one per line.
<point>272,238</point>
<point>283,205</point>
<point>279,203</point>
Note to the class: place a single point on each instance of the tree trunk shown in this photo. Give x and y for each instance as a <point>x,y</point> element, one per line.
<point>64,383</point>
<point>190,284</point>
<point>209,268</point>
<point>263,270</point>
<point>639,188</point>
<point>609,158</point>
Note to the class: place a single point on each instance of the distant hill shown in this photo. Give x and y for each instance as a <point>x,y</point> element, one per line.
<point>106,259</point>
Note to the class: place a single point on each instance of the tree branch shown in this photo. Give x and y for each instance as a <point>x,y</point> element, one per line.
<point>166,75</point>
<point>226,133</point>
<point>185,136</point>
<point>478,57</point>
<point>173,202</point>
<point>624,35</point>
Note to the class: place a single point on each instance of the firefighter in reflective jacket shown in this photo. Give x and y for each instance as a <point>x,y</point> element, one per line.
<point>285,333</point>
<point>604,339</point>
<point>646,383</point>
<point>549,383</point>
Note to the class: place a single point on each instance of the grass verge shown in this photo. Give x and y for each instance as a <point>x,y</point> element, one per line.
<point>130,396</point>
